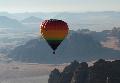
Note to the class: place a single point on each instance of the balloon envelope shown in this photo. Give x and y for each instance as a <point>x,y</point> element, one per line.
<point>54,31</point>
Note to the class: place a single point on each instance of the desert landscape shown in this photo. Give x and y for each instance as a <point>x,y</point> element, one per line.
<point>26,72</point>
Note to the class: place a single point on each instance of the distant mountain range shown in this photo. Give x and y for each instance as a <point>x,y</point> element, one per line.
<point>32,19</point>
<point>21,16</point>
<point>96,21</point>
<point>7,22</point>
<point>81,45</point>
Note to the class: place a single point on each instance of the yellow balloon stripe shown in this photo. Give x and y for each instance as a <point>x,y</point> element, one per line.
<point>54,34</point>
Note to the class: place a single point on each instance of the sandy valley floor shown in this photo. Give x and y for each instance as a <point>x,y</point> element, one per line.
<point>26,73</point>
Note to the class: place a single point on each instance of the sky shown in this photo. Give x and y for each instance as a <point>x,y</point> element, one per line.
<point>14,6</point>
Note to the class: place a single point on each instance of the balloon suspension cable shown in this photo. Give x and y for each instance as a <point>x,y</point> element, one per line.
<point>53,52</point>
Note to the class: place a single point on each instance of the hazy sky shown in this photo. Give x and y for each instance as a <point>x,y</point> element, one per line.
<point>59,5</point>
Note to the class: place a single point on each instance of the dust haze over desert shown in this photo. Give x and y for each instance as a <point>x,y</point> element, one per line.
<point>24,55</point>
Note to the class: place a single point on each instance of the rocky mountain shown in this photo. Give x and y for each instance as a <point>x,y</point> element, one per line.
<point>109,38</point>
<point>6,22</point>
<point>101,72</point>
<point>77,46</point>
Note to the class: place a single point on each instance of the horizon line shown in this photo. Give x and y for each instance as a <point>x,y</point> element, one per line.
<point>55,12</point>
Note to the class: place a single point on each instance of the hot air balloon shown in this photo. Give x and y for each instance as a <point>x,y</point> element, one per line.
<point>54,32</point>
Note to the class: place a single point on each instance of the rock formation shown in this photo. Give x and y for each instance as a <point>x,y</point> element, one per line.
<point>101,72</point>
